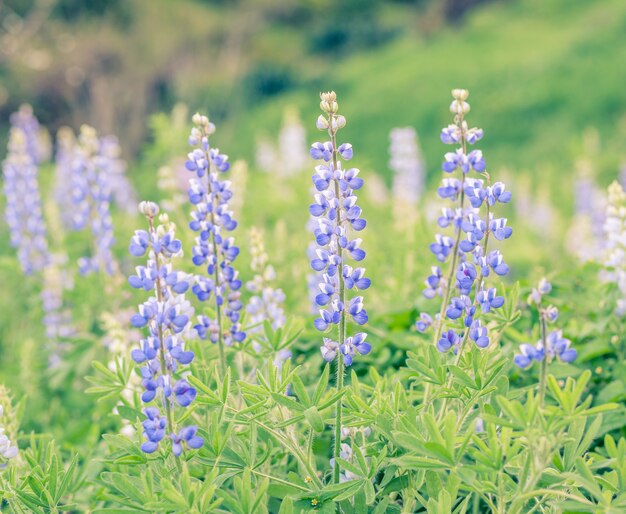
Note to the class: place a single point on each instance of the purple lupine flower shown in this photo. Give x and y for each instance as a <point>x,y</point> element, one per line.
<point>23,210</point>
<point>212,219</point>
<point>448,340</point>
<point>433,283</point>
<point>338,216</point>
<point>186,437</point>
<point>488,299</point>
<point>557,347</point>
<point>355,344</point>
<point>424,322</point>
<point>479,334</point>
<point>471,221</point>
<point>167,317</point>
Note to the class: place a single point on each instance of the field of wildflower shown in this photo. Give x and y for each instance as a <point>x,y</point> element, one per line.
<point>313,325</point>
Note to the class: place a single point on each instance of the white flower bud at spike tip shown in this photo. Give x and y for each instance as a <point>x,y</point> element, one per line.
<point>322,123</point>
<point>460,94</point>
<point>149,209</point>
<point>459,106</point>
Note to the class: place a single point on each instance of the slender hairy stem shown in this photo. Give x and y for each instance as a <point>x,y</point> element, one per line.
<point>479,285</point>
<point>342,321</point>
<point>543,374</point>
<point>159,292</point>
<point>218,307</point>
<point>455,251</point>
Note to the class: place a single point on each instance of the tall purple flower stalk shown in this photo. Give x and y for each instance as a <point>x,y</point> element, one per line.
<point>338,216</point>
<point>110,162</point>
<point>466,297</point>
<point>23,211</point>
<point>212,219</point>
<point>167,316</point>
<point>91,199</point>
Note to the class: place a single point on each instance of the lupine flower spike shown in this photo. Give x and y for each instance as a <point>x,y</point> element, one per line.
<point>167,316</point>
<point>338,218</point>
<point>552,345</point>
<point>91,197</point>
<point>473,223</point>
<point>23,211</point>
<point>212,219</point>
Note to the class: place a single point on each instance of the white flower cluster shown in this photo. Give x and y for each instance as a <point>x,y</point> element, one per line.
<point>408,168</point>
<point>290,155</point>
<point>615,240</point>
<point>267,302</point>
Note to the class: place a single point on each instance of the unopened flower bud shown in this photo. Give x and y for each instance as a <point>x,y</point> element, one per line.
<point>459,107</point>
<point>551,313</point>
<point>460,94</point>
<point>322,122</point>
<point>544,286</point>
<point>149,209</point>
<point>339,122</point>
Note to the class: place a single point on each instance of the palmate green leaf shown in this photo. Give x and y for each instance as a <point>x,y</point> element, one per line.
<point>288,402</point>
<point>462,377</point>
<point>300,391</point>
<point>342,491</point>
<point>413,462</point>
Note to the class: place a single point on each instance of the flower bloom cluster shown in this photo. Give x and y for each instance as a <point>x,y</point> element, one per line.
<point>211,219</point>
<point>586,235</point>
<point>465,294</point>
<point>615,240</point>
<point>64,168</point>
<point>338,215</point>
<point>38,146</point>
<point>554,345</point>
<point>167,316</point>
<point>408,168</point>
<point>266,304</point>
<point>23,211</point>
<point>292,146</point>
<point>91,202</point>
<point>109,160</point>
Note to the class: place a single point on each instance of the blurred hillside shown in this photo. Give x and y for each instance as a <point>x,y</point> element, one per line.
<point>540,71</point>
<point>113,62</point>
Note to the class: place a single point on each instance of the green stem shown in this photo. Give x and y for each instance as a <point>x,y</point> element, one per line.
<point>342,321</point>
<point>218,307</point>
<point>159,293</point>
<point>543,374</point>
<point>481,277</point>
<point>455,251</point>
